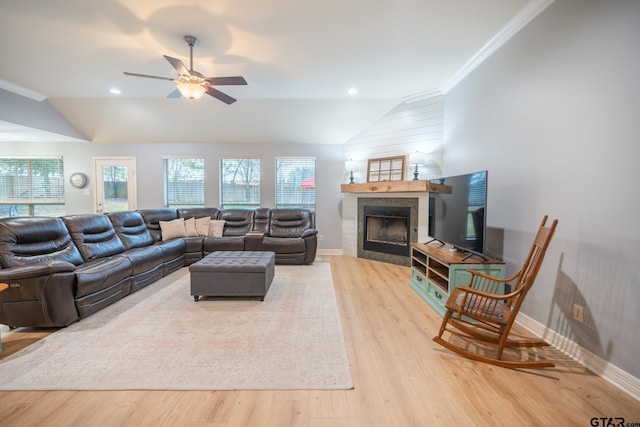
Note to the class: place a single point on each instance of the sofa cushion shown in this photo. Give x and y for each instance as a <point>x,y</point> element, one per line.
<point>152,218</point>
<point>238,222</point>
<point>289,222</point>
<point>260,219</point>
<point>144,258</point>
<point>131,229</point>
<point>190,227</point>
<point>202,226</point>
<point>98,274</point>
<point>216,227</point>
<point>25,240</point>
<point>197,226</point>
<point>226,243</point>
<point>173,229</point>
<point>94,235</point>
<point>185,213</point>
<point>172,249</point>
<point>281,245</point>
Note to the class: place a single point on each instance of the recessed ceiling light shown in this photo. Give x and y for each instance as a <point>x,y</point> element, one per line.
<point>352,91</point>
<point>115,91</point>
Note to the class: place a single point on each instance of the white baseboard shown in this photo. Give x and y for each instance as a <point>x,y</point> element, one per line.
<point>330,252</point>
<point>608,371</point>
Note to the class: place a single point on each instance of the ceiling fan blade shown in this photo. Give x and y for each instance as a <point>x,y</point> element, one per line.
<point>178,65</point>
<point>221,96</point>
<point>148,76</point>
<point>219,81</point>
<point>175,94</point>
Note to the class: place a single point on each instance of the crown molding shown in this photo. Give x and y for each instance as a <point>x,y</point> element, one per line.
<point>532,9</point>
<point>422,95</point>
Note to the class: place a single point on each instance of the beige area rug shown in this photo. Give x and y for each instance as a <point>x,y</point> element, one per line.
<point>160,339</point>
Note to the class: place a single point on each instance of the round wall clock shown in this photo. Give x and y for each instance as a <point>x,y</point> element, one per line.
<point>78,179</point>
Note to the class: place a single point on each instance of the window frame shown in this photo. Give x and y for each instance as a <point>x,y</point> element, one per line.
<point>298,181</point>
<point>52,185</point>
<point>197,200</point>
<point>250,186</point>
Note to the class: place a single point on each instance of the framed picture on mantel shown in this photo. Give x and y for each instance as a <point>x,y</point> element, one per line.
<point>385,169</point>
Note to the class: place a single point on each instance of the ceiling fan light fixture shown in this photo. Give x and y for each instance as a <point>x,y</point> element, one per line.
<point>192,84</point>
<point>191,90</point>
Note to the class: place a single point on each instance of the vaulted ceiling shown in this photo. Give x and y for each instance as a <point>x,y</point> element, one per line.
<point>299,58</point>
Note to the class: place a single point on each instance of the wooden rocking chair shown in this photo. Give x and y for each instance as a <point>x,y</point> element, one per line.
<point>482,314</point>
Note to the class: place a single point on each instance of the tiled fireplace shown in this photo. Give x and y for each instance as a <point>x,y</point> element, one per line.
<point>382,226</point>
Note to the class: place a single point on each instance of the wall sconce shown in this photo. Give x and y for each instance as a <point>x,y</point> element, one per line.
<point>416,159</point>
<point>350,166</point>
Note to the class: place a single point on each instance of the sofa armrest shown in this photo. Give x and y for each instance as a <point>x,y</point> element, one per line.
<point>36,269</point>
<point>39,295</point>
<point>253,241</point>
<point>309,232</point>
<point>310,237</point>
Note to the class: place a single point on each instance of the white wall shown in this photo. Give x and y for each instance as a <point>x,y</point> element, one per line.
<point>408,127</point>
<point>554,115</point>
<point>78,158</point>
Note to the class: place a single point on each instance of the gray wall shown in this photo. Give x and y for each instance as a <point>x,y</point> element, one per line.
<point>78,157</point>
<point>36,114</point>
<point>554,115</point>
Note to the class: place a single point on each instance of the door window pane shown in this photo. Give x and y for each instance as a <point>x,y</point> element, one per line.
<point>115,183</point>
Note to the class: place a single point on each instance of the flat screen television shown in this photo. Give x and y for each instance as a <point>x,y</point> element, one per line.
<point>457,211</point>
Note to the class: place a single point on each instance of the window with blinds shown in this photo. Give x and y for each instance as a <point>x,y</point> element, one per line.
<point>296,182</point>
<point>240,183</point>
<point>183,181</point>
<point>31,186</point>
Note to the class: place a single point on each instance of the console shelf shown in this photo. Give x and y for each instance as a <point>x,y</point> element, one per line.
<point>436,271</point>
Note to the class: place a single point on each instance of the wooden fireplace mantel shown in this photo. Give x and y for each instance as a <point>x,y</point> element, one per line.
<point>386,187</point>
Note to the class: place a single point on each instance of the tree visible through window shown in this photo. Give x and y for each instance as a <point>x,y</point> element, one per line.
<point>240,183</point>
<point>31,186</point>
<point>296,182</point>
<point>183,182</point>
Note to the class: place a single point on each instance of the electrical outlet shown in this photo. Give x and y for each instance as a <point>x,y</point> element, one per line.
<point>320,237</point>
<point>578,312</point>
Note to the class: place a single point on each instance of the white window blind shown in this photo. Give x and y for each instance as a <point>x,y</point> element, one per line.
<point>240,183</point>
<point>296,182</point>
<point>183,181</point>
<point>31,186</point>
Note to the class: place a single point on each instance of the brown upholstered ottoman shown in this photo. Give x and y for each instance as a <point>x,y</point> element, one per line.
<point>233,273</point>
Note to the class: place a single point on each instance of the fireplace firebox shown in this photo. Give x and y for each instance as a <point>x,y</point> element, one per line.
<point>387,229</point>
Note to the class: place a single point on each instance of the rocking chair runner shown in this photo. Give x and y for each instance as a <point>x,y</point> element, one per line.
<point>480,313</point>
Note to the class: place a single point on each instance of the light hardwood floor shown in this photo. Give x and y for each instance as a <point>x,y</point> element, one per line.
<point>401,377</point>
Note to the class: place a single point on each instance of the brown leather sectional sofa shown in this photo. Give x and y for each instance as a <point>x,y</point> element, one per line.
<point>63,269</point>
